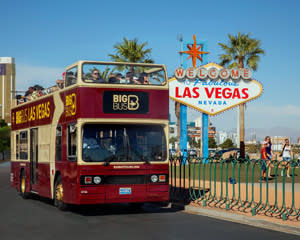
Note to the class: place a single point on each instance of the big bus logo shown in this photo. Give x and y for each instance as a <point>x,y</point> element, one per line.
<point>70,105</point>
<point>125,102</point>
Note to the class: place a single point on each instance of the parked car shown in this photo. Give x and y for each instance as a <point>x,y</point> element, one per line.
<point>192,153</point>
<point>227,153</point>
<point>172,152</point>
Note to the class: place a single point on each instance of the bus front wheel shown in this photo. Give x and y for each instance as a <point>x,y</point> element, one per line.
<point>59,195</point>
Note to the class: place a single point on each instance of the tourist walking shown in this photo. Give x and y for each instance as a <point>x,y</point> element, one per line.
<point>286,157</point>
<point>269,154</point>
<point>263,161</point>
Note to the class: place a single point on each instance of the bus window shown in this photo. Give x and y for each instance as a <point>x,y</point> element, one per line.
<point>123,143</point>
<point>23,145</point>
<point>17,146</point>
<point>58,144</point>
<point>71,76</point>
<point>122,73</point>
<point>72,144</point>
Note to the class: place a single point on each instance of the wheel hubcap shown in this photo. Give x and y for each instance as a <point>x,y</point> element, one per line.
<point>59,192</point>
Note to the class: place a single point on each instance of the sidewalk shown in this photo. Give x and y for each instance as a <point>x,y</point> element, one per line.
<point>235,192</point>
<point>256,221</point>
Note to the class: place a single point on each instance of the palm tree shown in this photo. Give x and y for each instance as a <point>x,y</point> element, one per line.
<point>131,51</point>
<point>240,52</point>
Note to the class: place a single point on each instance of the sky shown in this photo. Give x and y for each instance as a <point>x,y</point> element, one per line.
<point>46,36</point>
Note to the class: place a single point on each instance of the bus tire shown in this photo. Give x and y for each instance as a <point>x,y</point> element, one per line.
<point>59,195</point>
<point>23,193</point>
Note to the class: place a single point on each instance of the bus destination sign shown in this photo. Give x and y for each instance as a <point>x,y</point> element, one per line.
<point>37,113</point>
<point>125,102</point>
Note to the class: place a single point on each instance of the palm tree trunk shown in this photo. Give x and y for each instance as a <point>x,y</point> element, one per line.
<point>242,130</point>
<point>177,113</point>
<point>242,120</point>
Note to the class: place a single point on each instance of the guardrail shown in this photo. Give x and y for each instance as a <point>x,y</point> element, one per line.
<point>238,184</point>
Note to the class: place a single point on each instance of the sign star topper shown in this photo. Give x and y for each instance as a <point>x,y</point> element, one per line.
<point>194,52</point>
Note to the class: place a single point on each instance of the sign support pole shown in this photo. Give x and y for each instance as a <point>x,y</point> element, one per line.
<point>183,118</point>
<point>205,137</point>
<point>204,116</point>
<point>183,132</point>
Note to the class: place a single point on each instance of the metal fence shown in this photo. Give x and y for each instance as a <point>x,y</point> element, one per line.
<point>238,185</point>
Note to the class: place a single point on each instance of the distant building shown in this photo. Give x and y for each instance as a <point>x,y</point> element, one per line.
<point>278,142</point>
<point>234,138</point>
<point>7,86</point>
<point>298,142</point>
<point>198,121</point>
<point>253,136</point>
<point>221,136</point>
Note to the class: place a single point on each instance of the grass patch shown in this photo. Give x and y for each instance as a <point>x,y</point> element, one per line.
<point>215,172</point>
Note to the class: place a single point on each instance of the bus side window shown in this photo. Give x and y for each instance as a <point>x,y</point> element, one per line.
<point>17,146</point>
<point>72,142</point>
<point>23,145</point>
<point>58,143</point>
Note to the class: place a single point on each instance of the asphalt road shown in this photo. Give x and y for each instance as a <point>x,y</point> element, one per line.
<point>38,219</point>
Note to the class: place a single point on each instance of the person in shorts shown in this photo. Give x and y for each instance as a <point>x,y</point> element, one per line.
<point>269,154</point>
<point>286,156</point>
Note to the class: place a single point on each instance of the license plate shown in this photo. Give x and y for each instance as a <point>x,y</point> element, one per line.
<point>123,191</point>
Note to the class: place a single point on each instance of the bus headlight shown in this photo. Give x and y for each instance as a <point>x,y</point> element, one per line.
<point>97,180</point>
<point>154,178</point>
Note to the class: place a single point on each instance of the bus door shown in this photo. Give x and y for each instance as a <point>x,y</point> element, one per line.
<point>34,171</point>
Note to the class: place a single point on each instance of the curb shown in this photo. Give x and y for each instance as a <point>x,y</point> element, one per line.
<point>237,218</point>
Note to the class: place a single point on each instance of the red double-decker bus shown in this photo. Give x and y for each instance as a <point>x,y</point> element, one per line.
<point>102,137</point>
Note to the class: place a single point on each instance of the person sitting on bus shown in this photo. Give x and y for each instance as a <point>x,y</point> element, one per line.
<point>120,78</point>
<point>128,77</point>
<point>113,80</point>
<point>34,94</point>
<point>135,80</point>
<point>144,79</point>
<point>96,77</point>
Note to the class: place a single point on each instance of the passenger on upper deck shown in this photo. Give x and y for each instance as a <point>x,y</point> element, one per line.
<point>120,78</point>
<point>131,79</point>
<point>96,76</point>
<point>60,83</point>
<point>144,79</point>
<point>113,79</point>
<point>128,77</point>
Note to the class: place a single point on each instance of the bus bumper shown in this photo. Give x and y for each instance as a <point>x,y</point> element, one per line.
<point>122,194</point>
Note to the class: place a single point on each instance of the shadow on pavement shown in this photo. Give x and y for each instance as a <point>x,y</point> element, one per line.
<point>110,209</point>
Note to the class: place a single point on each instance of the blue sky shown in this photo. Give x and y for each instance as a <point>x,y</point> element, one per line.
<point>46,36</point>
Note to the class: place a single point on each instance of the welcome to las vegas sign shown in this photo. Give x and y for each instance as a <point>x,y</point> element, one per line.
<point>213,89</point>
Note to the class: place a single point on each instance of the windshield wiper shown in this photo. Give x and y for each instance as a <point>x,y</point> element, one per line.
<point>109,159</point>
<point>147,160</point>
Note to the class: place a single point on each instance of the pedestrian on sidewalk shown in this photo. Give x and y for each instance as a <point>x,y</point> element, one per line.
<point>269,154</point>
<point>286,157</point>
<point>264,158</point>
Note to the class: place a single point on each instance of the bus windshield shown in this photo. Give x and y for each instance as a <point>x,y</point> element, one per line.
<point>123,143</point>
<point>122,73</point>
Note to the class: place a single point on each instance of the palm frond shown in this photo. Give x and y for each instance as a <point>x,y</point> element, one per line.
<point>241,50</point>
<point>131,51</point>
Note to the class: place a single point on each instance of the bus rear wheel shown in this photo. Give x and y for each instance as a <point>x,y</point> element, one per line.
<point>23,192</point>
<point>59,195</point>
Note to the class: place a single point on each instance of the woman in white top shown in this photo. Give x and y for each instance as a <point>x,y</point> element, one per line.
<point>286,155</point>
